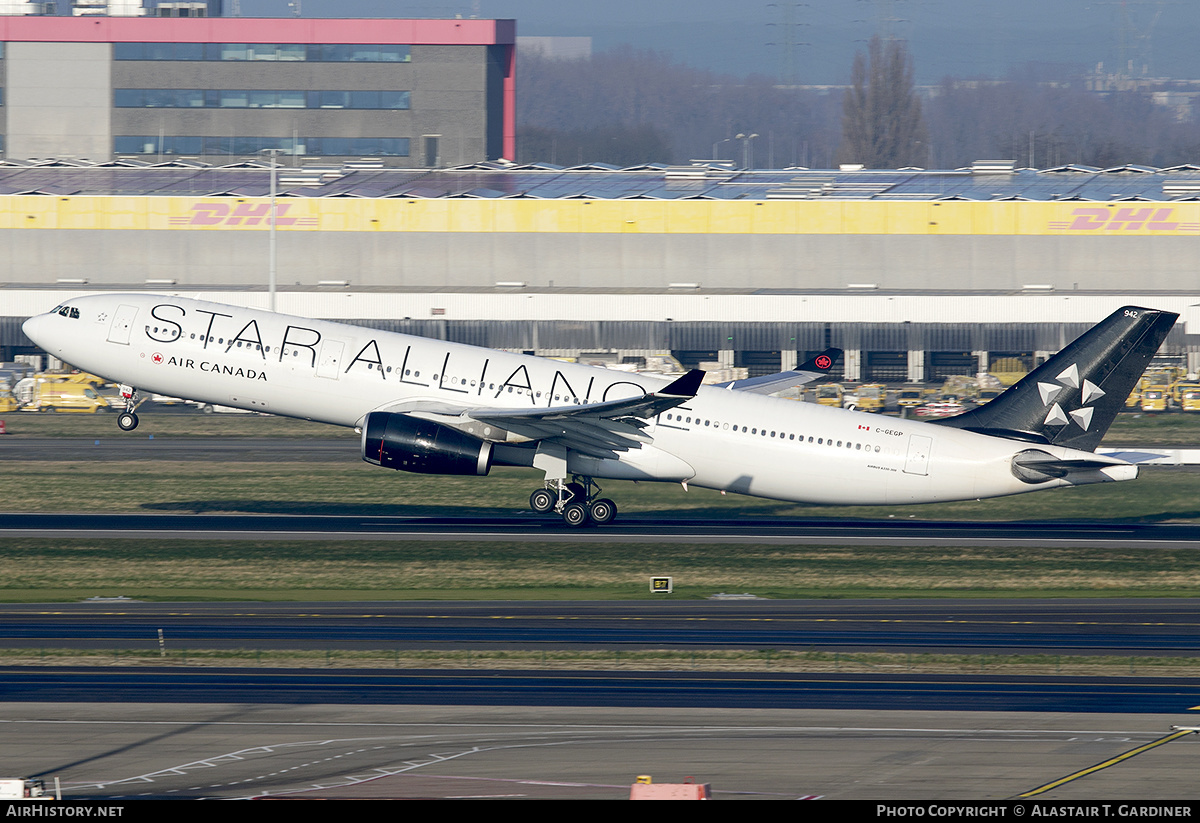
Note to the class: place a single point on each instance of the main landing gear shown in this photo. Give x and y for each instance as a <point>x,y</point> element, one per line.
<point>575,502</point>
<point>127,420</point>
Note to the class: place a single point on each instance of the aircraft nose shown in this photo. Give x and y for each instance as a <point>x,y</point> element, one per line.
<point>35,328</point>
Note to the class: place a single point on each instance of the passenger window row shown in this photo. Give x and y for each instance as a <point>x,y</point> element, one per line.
<point>779,435</point>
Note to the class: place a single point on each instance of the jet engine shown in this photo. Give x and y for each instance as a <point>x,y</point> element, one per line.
<point>398,441</point>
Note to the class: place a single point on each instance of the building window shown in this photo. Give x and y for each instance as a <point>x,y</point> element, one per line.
<point>244,146</point>
<point>358,99</point>
<point>272,52</point>
<point>258,99</point>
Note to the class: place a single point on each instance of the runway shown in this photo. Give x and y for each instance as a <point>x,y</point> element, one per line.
<point>528,526</point>
<point>679,689</point>
<point>1095,627</point>
<point>1123,627</point>
<point>192,732</point>
<point>239,750</point>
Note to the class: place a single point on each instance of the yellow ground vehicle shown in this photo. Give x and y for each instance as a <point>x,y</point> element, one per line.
<point>958,386</point>
<point>1134,400</point>
<point>1008,370</point>
<point>67,397</point>
<point>8,402</point>
<point>1162,377</point>
<point>830,394</point>
<point>909,397</point>
<point>871,397</point>
<point>80,377</point>
<point>1187,397</point>
<point>1154,399</point>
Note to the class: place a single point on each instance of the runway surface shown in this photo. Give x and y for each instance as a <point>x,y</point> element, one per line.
<point>189,732</point>
<point>1160,628</point>
<point>238,750</point>
<point>197,732</point>
<point>680,689</point>
<point>1126,627</point>
<point>648,527</point>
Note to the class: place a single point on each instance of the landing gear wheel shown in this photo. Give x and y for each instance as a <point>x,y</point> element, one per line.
<point>542,501</point>
<point>127,421</point>
<point>603,511</point>
<point>574,515</point>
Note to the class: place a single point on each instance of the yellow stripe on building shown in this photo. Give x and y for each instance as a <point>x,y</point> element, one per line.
<point>774,217</point>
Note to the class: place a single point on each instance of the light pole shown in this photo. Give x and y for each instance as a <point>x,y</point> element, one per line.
<point>746,138</point>
<point>272,154</point>
<point>719,142</point>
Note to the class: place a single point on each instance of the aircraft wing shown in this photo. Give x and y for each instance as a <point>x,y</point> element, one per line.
<point>807,372</point>
<point>596,429</point>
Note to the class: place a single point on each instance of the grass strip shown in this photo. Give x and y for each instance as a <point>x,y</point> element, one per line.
<point>44,570</point>
<point>730,660</point>
<point>1165,494</point>
<point>30,424</point>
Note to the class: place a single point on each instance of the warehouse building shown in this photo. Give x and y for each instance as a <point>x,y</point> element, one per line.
<point>412,93</point>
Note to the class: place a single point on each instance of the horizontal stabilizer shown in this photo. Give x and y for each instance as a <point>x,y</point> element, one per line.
<point>1037,466</point>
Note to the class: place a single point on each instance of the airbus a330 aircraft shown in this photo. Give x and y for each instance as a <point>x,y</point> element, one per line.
<point>430,406</point>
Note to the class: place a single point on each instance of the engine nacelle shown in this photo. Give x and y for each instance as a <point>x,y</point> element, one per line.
<point>398,441</point>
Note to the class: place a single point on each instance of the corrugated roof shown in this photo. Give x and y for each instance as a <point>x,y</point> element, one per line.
<point>598,182</point>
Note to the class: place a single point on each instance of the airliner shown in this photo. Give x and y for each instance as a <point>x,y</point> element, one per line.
<point>436,407</point>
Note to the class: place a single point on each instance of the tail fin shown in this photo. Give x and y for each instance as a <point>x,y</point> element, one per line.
<point>1072,398</point>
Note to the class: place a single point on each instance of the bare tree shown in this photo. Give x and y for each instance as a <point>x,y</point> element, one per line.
<point>625,105</point>
<point>882,127</point>
<point>1050,123</point>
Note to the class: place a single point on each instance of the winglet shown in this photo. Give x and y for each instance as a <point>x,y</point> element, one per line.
<point>823,362</point>
<point>685,386</point>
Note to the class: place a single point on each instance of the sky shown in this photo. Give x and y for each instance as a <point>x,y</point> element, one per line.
<point>960,38</point>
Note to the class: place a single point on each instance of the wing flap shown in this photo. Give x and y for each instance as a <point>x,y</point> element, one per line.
<point>609,427</point>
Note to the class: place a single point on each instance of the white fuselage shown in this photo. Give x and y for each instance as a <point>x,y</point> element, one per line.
<point>337,373</point>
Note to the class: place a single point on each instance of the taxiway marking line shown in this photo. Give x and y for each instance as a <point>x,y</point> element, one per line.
<point>1110,762</point>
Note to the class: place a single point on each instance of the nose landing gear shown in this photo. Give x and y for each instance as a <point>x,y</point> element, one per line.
<point>576,502</point>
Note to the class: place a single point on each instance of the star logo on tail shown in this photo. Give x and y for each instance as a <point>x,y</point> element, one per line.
<point>1069,379</point>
